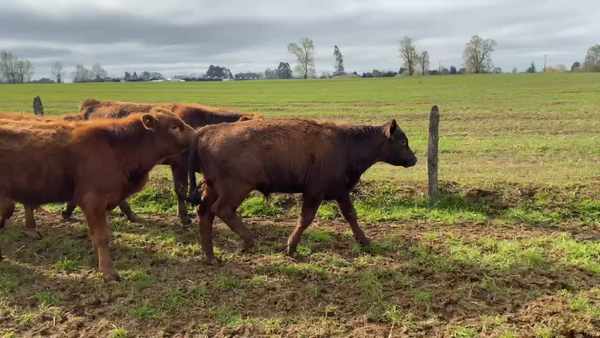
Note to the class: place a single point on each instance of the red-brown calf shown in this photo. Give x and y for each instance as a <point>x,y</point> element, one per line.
<point>192,114</point>
<point>95,164</point>
<point>323,161</point>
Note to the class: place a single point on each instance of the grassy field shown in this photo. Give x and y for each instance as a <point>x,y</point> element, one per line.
<point>511,250</point>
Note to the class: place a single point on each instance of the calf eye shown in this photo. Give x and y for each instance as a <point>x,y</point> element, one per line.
<point>174,127</point>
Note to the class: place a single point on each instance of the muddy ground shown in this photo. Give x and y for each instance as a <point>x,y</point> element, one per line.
<point>420,279</point>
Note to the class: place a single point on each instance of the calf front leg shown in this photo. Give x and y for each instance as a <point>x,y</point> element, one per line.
<point>95,215</point>
<point>180,181</point>
<point>310,205</point>
<point>347,209</point>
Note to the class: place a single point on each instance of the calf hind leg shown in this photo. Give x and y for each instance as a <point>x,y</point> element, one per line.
<point>131,216</point>
<point>69,208</point>
<point>310,205</point>
<point>347,209</point>
<point>180,181</point>
<point>7,208</point>
<point>225,208</point>
<point>30,226</point>
<point>205,226</point>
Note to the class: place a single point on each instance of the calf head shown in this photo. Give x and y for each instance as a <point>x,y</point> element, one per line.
<point>172,135</point>
<point>395,150</point>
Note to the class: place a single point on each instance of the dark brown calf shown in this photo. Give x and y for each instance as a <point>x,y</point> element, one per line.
<point>192,114</point>
<point>323,161</point>
<point>95,164</point>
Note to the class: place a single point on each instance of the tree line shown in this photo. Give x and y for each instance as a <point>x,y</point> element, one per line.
<point>477,57</point>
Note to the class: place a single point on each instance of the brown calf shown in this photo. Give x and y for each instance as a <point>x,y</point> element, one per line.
<point>30,224</point>
<point>95,164</point>
<point>192,114</point>
<point>323,161</point>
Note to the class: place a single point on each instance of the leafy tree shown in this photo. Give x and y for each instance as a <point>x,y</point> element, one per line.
<point>478,55</point>
<point>146,75</point>
<point>127,76</point>
<point>452,70</point>
<point>217,71</point>
<point>409,54</point>
<point>445,71</point>
<point>304,52</point>
<point>270,74</point>
<point>514,71</point>
<point>592,59</point>
<point>339,61</point>
<point>284,71</point>
<point>135,76</point>
<point>497,70</point>
<point>575,66</point>
<point>531,68</point>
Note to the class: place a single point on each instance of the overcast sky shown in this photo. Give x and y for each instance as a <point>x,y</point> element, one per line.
<point>185,36</point>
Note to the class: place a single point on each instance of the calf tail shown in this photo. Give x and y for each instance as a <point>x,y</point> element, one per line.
<point>193,163</point>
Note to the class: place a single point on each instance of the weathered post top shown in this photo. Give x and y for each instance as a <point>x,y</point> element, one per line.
<point>432,154</point>
<point>38,108</point>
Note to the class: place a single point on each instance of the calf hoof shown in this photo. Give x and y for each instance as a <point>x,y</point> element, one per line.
<point>212,260</point>
<point>185,221</point>
<point>291,252</point>
<point>134,219</point>
<point>33,234</point>
<point>366,243</point>
<point>111,277</point>
<point>65,215</point>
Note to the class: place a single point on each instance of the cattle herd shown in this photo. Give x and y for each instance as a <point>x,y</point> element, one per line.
<point>98,157</point>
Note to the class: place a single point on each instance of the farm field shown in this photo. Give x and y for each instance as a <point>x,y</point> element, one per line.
<point>511,250</point>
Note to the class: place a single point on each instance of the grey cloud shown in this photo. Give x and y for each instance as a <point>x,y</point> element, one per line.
<point>186,36</point>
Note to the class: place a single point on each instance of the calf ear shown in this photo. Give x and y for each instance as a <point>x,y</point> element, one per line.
<point>149,121</point>
<point>390,128</point>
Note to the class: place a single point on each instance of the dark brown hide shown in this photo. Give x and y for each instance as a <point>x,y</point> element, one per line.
<point>322,161</point>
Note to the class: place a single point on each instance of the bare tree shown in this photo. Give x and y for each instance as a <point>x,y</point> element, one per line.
<point>478,55</point>
<point>424,62</point>
<point>57,72</point>
<point>7,66</point>
<point>98,72</point>
<point>409,54</point>
<point>24,70</point>
<point>305,52</point>
<point>81,74</point>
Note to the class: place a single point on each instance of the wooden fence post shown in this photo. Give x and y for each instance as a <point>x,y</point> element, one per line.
<point>38,108</point>
<point>432,154</point>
